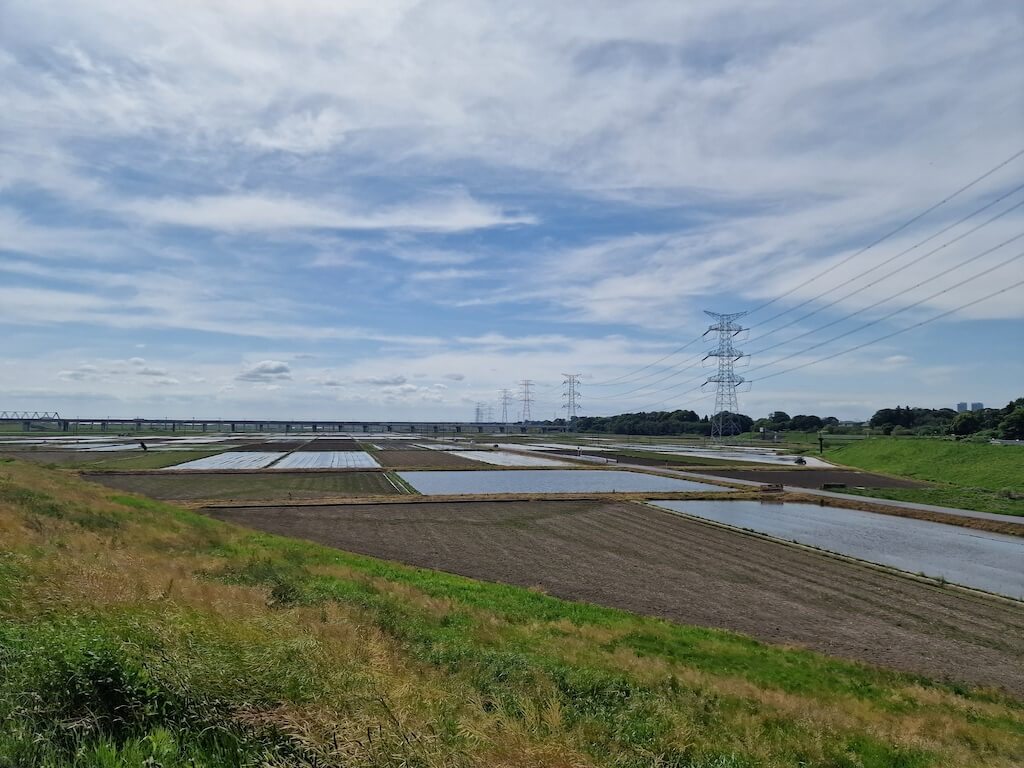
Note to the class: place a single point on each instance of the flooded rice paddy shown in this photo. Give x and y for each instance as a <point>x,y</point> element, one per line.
<point>508,459</point>
<point>327,460</point>
<point>456,482</point>
<point>988,561</point>
<point>231,460</point>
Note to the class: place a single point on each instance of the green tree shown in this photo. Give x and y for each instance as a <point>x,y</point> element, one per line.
<point>966,424</point>
<point>1012,425</point>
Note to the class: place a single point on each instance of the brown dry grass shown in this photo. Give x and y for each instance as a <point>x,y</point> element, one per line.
<point>372,701</point>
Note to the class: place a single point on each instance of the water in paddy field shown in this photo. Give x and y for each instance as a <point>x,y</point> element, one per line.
<point>546,481</point>
<point>508,459</point>
<point>989,561</point>
<point>231,460</point>
<point>327,460</point>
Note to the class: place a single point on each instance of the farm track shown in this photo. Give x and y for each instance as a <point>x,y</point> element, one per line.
<point>631,556</point>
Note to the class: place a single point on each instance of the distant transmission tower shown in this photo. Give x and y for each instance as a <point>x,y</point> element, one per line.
<point>724,422</point>
<point>571,394</point>
<point>506,401</point>
<point>479,416</point>
<point>526,398</point>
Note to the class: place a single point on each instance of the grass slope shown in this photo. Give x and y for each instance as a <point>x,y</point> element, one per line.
<point>137,633</point>
<point>983,477</point>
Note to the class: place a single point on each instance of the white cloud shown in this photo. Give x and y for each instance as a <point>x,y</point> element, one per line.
<point>383,381</point>
<point>266,371</point>
<point>261,213</point>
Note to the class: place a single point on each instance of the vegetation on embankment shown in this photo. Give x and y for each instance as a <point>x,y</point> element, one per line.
<point>978,476</point>
<point>134,631</point>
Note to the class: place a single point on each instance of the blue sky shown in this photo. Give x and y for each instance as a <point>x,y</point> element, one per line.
<point>395,209</point>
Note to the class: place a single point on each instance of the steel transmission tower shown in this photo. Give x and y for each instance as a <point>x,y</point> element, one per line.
<point>526,398</point>
<point>724,422</point>
<point>571,394</point>
<point>506,401</point>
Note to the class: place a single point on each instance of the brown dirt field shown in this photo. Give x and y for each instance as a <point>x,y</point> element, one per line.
<point>424,459</point>
<point>640,559</point>
<point>250,486</point>
<point>50,457</point>
<point>271,447</point>
<point>332,444</point>
<point>815,478</point>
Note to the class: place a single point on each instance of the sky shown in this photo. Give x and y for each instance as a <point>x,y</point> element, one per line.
<point>394,210</point>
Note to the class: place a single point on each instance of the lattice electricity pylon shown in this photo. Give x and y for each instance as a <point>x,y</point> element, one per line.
<point>724,422</point>
<point>571,394</point>
<point>526,397</point>
<point>506,400</point>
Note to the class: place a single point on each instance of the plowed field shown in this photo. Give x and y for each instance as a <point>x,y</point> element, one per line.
<point>644,560</point>
<point>250,486</point>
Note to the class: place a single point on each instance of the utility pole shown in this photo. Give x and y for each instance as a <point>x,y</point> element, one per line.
<point>571,395</point>
<point>526,398</point>
<point>724,422</point>
<point>506,400</point>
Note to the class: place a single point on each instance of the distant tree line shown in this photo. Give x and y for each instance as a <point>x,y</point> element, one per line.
<point>680,422</point>
<point>1006,423</point>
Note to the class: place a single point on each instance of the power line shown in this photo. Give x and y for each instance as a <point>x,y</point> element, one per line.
<point>889,261</point>
<point>643,368</point>
<point>631,376</point>
<point>897,332</point>
<point>893,313</point>
<point>896,231</point>
<point>677,371</point>
<point>934,277</point>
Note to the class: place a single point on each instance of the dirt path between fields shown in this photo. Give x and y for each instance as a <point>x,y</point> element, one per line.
<point>631,556</point>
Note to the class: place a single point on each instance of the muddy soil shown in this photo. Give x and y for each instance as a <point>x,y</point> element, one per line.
<point>640,559</point>
<point>249,486</point>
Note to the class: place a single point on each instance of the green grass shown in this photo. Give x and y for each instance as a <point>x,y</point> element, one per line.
<point>977,499</point>
<point>978,465</point>
<point>978,476</point>
<point>267,485</point>
<point>160,635</point>
<point>142,459</point>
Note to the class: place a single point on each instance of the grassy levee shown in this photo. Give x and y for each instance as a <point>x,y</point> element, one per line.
<point>978,476</point>
<point>135,631</point>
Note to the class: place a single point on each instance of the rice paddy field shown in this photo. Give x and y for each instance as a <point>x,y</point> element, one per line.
<point>779,631</point>
<point>513,633</point>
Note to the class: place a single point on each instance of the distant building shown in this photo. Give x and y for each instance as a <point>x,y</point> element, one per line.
<point>961,407</point>
<point>977,406</point>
